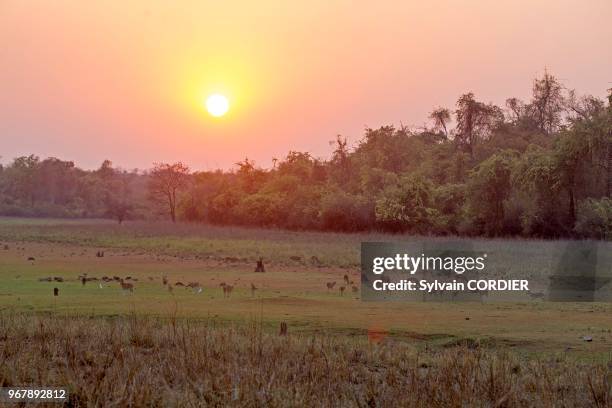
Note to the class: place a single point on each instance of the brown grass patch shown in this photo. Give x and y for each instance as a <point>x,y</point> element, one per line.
<point>148,362</point>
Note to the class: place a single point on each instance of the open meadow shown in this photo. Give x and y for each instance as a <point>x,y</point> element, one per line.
<point>292,290</point>
<point>126,329</point>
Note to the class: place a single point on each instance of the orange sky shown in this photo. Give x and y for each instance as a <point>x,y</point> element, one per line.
<point>125,80</point>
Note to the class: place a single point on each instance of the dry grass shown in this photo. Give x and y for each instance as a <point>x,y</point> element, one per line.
<point>148,362</point>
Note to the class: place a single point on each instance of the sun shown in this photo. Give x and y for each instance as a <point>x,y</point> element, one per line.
<point>217,105</point>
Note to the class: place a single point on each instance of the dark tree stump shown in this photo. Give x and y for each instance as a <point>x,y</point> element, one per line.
<point>260,266</point>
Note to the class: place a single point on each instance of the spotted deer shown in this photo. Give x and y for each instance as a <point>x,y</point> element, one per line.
<point>126,286</point>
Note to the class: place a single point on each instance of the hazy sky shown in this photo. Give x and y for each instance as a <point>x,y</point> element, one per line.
<point>126,80</point>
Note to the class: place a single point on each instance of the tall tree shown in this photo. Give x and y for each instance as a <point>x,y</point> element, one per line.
<point>488,188</point>
<point>440,117</point>
<point>548,104</point>
<point>116,191</point>
<point>166,180</point>
<point>475,121</point>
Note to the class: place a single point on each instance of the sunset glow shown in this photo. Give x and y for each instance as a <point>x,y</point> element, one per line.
<point>132,73</point>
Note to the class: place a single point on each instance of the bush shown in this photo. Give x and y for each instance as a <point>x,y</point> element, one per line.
<point>406,207</point>
<point>594,218</point>
<point>261,209</point>
<point>341,211</point>
<point>448,200</point>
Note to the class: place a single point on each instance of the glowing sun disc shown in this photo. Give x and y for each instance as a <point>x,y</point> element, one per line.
<point>217,105</point>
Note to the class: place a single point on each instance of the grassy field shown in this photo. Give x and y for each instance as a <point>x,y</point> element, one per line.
<point>292,290</point>
<point>142,362</point>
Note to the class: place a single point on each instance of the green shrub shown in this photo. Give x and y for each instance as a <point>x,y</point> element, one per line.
<point>594,218</point>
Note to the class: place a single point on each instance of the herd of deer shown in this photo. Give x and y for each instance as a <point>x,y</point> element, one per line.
<point>341,289</point>
<point>195,286</point>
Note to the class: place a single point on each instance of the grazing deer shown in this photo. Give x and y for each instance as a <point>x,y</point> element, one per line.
<point>253,289</point>
<point>126,286</point>
<point>195,286</point>
<point>227,289</point>
<point>342,290</point>
<point>346,279</point>
<point>330,285</point>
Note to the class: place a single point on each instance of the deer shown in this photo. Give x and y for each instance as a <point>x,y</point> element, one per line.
<point>342,290</point>
<point>197,288</point>
<point>346,279</point>
<point>253,289</point>
<point>126,286</point>
<point>227,289</point>
<point>164,280</point>
<point>330,285</point>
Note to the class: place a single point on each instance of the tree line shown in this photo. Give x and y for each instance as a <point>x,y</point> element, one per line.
<point>537,168</point>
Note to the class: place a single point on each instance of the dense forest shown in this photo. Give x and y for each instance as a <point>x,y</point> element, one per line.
<point>538,168</point>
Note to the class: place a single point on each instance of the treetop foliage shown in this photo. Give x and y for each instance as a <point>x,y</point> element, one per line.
<point>537,168</point>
